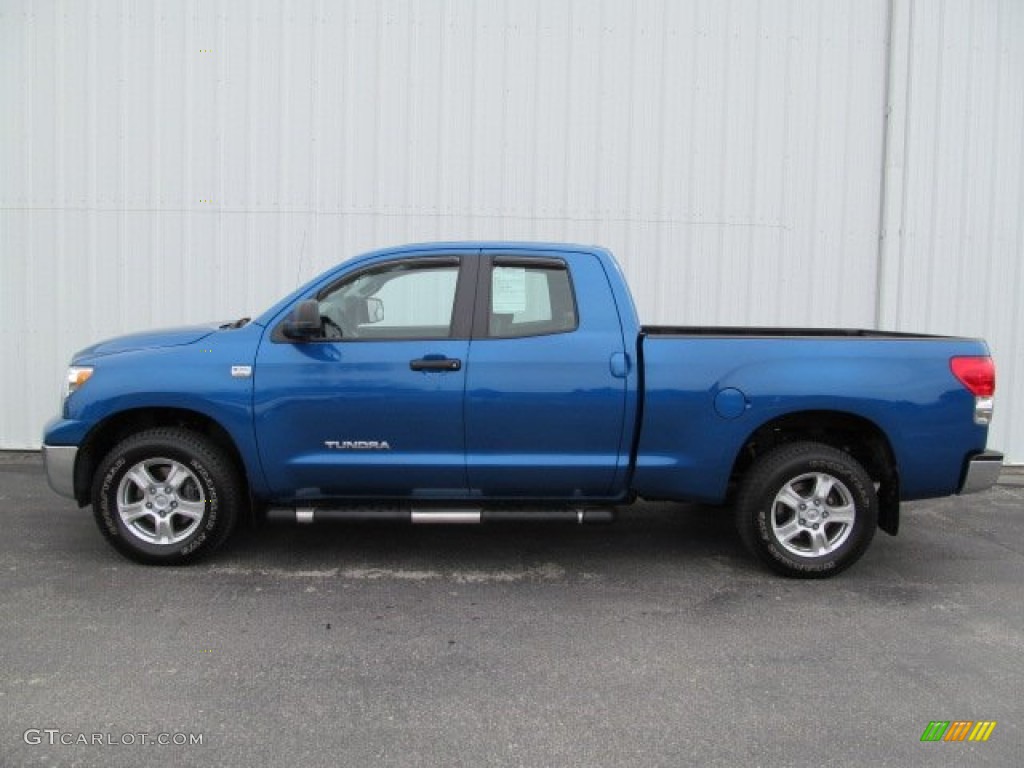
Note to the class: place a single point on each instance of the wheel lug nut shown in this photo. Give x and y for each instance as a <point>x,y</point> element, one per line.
<point>174,505</point>
<point>803,507</point>
<point>824,514</point>
<point>152,489</point>
<point>802,521</point>
<point>815,526</point>
<point>148,505</point>
<point>167,489</point>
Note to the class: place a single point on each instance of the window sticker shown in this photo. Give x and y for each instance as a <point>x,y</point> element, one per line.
<point>508,290</point>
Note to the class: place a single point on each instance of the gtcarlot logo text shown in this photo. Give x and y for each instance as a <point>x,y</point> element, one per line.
<point>55,736</point>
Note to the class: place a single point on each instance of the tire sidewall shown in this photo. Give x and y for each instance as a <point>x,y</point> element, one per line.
<point>866,515</point>
<point>105,491</point>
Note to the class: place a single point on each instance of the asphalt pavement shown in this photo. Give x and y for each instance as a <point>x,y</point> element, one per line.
<point>655,641</point>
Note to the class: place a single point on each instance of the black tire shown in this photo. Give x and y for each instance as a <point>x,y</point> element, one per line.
<point>832,528</point>
<point>173,524</point>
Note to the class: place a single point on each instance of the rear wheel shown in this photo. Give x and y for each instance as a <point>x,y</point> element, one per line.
<point>807,510</point>
<point>166,496</point>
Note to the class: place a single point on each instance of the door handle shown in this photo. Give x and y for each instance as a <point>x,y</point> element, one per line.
<point>619,365</point>
<point>431,363</point>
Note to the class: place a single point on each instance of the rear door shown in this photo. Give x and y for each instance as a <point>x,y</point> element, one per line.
<point>374,406</point>
<point>546,381</point>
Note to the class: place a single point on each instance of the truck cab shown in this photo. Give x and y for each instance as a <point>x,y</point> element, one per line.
<point>450,375</point>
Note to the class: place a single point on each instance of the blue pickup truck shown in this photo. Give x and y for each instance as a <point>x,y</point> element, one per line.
<point>483,381</point>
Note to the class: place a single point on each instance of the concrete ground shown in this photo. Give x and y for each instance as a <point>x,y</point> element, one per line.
<point>653,642</point>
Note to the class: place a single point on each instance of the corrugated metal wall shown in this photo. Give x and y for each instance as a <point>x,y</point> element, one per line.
<point>175,162</point>
<point>953,225</point>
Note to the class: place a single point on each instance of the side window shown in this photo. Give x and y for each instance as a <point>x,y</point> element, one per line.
<point>531,301</point>
<point>395,301</point>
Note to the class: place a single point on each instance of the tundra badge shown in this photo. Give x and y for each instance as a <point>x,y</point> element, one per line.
<point>358,445</point>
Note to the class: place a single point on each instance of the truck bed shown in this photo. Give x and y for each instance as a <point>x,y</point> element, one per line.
<point>734,331</point>
<point>707,389</point>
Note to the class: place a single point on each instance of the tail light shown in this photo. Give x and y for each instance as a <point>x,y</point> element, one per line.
<point>978,375</point>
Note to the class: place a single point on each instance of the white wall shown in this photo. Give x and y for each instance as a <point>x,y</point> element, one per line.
<point>953,245</point>
<point>174,162</point>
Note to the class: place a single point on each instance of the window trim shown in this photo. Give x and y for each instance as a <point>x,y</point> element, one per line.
<point>482,313</point>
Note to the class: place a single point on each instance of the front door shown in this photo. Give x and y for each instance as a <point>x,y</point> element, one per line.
<point>373,406</point>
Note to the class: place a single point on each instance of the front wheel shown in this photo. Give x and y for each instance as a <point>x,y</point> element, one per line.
<point>807,510</point>
<point>166,496</point>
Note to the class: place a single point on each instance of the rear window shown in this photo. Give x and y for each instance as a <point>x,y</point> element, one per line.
<point>531,301</point>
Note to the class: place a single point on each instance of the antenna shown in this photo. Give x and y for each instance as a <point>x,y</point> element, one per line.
<point>302,251</point>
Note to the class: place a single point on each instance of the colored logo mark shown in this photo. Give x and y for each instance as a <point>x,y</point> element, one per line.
<point>958,730</point>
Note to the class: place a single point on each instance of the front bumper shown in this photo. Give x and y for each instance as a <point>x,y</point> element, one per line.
<point>982,472</point>
<point>60,468</point>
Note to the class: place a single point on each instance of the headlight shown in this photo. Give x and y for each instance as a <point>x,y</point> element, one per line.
<point>76,378</point>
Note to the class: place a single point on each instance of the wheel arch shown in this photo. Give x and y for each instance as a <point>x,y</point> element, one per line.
<point>861,438</point>
<point>116,427</point>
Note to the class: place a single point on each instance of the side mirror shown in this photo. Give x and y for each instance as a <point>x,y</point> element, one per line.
<point>374,310</point>
<point>304,321</point>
